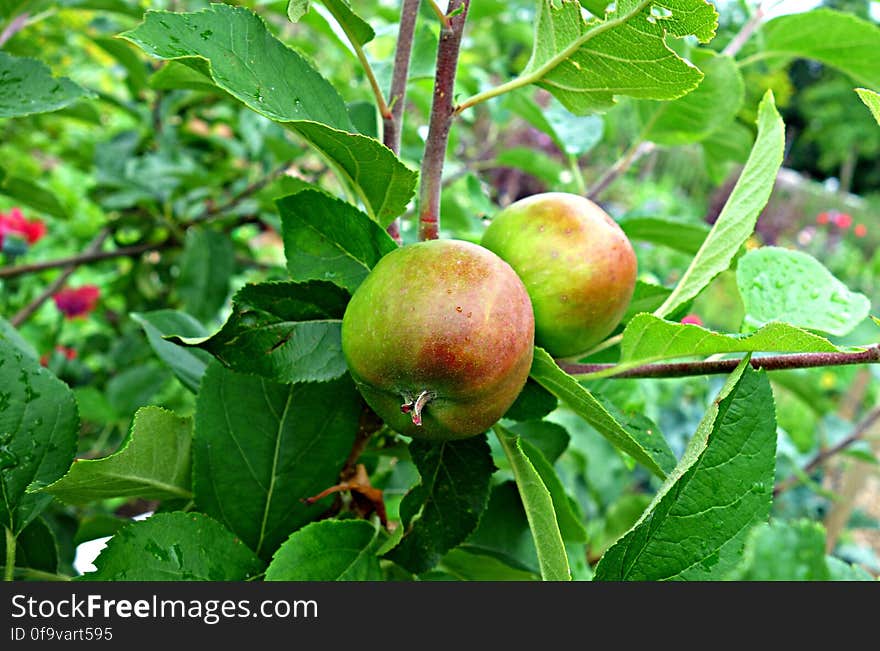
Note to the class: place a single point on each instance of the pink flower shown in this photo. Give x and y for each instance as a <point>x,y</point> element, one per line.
<point>860,230</point>
<point>77,302</point>
<point>822,218</point>
<point>692,319</point>
<point>842,220</point>
<point>15,222</point>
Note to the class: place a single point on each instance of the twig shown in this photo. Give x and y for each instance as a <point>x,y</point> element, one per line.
<point>236,199</point>
<point>392,126</point>
<point>87,257</point>
<point>823,455</point>
<point>714,367</point>
<point>626,161</point>
<point>25,313</point>
<point>745,32</point>
<point>442,112</point>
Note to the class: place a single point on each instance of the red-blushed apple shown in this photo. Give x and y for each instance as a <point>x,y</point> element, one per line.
<point>577,264</point>
<point>439,339</point>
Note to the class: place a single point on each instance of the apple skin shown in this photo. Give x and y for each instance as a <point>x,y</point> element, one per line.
<point>446,319</point>
<point>577,264</point>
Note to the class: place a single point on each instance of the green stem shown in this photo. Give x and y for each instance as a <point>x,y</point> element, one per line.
<point>544,69</point>
<point>9,570</point>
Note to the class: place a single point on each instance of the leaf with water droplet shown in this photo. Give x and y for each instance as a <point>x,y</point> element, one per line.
<point>175,546</point>
<point>40,425</point>
<point>302,99</point>
<point>27,87</point>
<point>804,293</point>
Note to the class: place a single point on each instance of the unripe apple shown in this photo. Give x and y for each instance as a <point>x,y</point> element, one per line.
<point>439,339</point>
<point>577,264</point>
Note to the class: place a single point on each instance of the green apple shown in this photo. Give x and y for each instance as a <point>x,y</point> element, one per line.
<point>439,339</point>
<point>578,267</point>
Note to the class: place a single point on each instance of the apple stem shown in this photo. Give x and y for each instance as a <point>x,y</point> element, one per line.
<point>421,402</point>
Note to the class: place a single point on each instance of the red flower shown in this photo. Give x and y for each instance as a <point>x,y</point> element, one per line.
<point>822,218</point>
<point>842,220</point>
<point>860,230</point>
<point>77,302</point>
<point>14,222</point>
<point>693,319</point>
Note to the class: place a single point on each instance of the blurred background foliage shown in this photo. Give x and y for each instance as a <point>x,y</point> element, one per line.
<point>184,181</point>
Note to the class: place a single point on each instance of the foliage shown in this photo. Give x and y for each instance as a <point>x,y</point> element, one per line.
<point>191,193</point>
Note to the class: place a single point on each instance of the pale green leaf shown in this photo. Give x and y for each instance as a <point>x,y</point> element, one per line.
<point>152,463</point>
<point>784,551</point>
<point>740,213</point>
<point>839,39</point>
<point>778,284</point>
<point>356,28</point>
<point>649,450</point>
<point>695,528</point>
<point>871,100</point>
<point>692,118</point>
<point>584,64</point>
<point>538,503</point>
<point>648,338</point>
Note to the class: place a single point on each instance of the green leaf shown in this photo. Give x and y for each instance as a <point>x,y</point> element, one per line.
<point>533,403</point>
<point>836,38</point>
<point>445,507</point>
<point>27,87</point>
<point>550,438</point>
<point>728,144</point>
<point>135,386</point>
<point>651,451</point>
<point>175,546</point>
<point>328,239</point>
<point>244,59</point>
<point>153,462</point>
<point>539,506</point>
<point>39,428</point>
<point>383,183</point>
<point>287,332</point>
<point>646,297</point>
<point>584,64</point>
<point>137,78</point>
<point>778,284</point>
<point>696,526</point>
<point>503,532</point>
<point>11,336</point>
<point>739,215</point>
<point>206,266</point>
<point>260,448</point>
<point>574,135</point>
<point>570,525</point>
<point>648,338</point>
<point>330,550</point>
<point>871,100</point>
<point>31,194</point>
<point>678,234</point>
<point>188,364</point>
<point>692,118</point>
<point>784,551</point>
<point>473,566</point>
<point>35,549</point>
<point>355,27</point>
